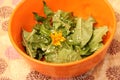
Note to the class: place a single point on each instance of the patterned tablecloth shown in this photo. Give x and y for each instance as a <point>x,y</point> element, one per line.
<point>13,66</point>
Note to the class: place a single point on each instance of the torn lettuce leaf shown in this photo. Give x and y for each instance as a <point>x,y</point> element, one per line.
<point>86,31</point>
<point>63,56</point>
<point>83,31</point>
<point>96,40</point>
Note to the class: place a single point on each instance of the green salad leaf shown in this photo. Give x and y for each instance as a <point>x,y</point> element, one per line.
<point>38,18</point>
<point>63,56</point>
<point>47,10</point>
<point>83,31</point>
<point>96,40</point>
<point>63,21</point>
<point>61,37</point>
<point>29,49</point>
<point>86,31</point>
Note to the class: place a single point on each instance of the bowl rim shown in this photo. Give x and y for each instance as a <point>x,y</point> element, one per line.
<point>23,54</point>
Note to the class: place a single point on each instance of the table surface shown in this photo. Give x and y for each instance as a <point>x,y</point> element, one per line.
<point>13,66</point>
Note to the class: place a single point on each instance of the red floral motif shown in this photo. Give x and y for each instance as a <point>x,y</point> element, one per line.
<point>5,25</point>
<point>114,47</point>
<point>84,77</point>
<point>3,65</point>
<point>5,78</point>
<point>117,16</point>
<point>113,73</point>
<point>5,11</point>
<point>34,75</point>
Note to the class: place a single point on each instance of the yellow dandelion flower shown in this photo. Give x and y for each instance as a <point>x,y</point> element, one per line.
<point>57,38</point>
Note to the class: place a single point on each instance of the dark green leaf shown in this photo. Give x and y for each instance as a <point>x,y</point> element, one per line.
<point>47,10</point>
<point>38,18</point>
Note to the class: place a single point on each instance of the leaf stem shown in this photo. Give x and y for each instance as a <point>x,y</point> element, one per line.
<point>30,35</point>
<point>29,51</point>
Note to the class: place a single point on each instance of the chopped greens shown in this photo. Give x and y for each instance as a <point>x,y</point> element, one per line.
<point>61,37</point>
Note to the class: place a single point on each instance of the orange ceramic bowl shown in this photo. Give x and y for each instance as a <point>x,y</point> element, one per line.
<point>22,17</point>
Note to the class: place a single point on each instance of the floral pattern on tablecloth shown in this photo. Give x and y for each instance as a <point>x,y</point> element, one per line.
<point>13,66</point>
